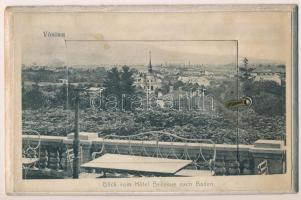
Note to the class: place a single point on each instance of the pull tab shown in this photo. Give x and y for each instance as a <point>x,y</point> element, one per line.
<point>243,102</point>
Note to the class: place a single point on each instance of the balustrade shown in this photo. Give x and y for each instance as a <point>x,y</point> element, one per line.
<point>56,154</point>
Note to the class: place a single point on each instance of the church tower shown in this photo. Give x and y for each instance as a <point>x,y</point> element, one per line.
<point>150,68</point>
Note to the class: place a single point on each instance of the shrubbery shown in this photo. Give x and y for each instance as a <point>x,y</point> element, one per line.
<point>47,110</point>
<point>183,123</point>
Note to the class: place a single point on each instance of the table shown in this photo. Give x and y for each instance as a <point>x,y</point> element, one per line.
<point>27,164</point>
<point>129,163</point>
<point>29,161</point>
<point>193,173</point>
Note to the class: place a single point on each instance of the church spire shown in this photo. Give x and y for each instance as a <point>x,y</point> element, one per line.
<point>150,68</point>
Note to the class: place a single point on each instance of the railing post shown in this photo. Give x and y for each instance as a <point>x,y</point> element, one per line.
<point>273,152</point>
<point>54,159</point>
<point>76,138</point>
<point>43,163</point>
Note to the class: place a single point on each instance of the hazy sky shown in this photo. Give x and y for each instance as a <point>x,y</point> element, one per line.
<point>261,36</point>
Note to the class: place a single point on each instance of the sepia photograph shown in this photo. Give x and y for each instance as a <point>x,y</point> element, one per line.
<point>152,99</point>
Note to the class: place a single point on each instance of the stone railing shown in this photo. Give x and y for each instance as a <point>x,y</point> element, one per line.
<point>55,152</point>
<point>160,144</point>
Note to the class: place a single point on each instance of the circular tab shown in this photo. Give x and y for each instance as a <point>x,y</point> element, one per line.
<point>247,101</point>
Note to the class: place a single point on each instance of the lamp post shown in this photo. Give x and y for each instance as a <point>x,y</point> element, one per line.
<point>76,141</point>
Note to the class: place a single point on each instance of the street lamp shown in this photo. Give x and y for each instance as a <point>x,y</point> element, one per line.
<point>76,141</point>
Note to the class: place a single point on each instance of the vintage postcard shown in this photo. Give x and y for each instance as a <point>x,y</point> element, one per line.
<point>151,99</point>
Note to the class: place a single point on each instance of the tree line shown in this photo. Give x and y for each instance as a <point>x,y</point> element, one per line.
<point>268,96</point>
<point>116,83</point>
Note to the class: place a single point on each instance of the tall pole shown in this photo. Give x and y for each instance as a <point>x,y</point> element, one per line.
<point>237,111</point>
<point>76,138</point>
<point>203,94</point>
